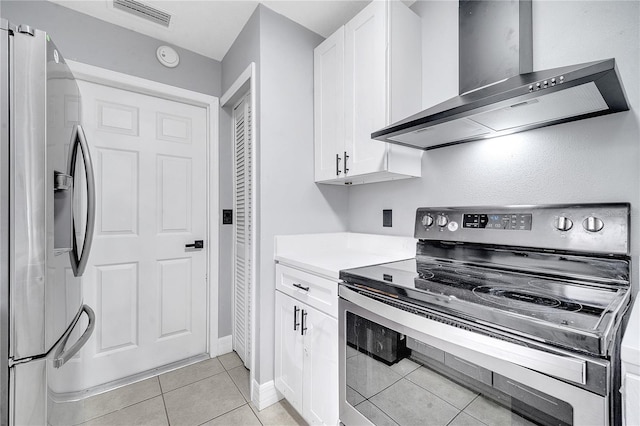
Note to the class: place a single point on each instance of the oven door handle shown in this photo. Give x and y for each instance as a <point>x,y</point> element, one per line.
<point>447,336</point>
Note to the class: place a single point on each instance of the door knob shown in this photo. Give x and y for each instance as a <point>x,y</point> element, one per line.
<point>197,244</point>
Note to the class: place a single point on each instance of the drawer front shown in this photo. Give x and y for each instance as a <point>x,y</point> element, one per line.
<point>543,402</point>
<point>426,350</point>
<point>321,293</point>
<point>468,368</point>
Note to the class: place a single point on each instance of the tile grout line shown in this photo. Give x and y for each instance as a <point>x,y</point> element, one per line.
<point>255,414</point>
<point>416,384</point>
<point>196,381</point>
<point>166,412</point>
<point>125,406</point>
<point>382,411</point>
<point>241,394</point>
<point>164,403</point>
<point>119,409</point>
<point>222,414</point>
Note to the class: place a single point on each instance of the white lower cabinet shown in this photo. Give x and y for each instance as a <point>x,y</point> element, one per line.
<point>306,352</point>
<point>289,350</point>
<point>630,399</point>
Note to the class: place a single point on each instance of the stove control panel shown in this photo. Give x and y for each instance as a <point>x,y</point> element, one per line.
<point>519,222</point>
<point>596,228</point>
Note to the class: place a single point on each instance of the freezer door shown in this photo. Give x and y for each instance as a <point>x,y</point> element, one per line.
<point>45,293</point>
<point>28,393</point>
<point>37,394</point>
<point>65,374</point>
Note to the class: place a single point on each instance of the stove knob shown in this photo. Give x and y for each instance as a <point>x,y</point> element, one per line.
<point>563,223</point>
<point>442,220</point>
<point>427,220</point>
<point>593,224</point>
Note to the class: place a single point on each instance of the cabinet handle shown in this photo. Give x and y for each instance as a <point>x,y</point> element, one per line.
<point>304,323</point>
<point>338,165</point>
<point>295,318</point>
<point>346,170</point>
<point>300,286</point>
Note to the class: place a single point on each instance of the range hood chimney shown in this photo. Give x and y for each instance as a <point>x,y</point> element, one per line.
<point>500,94</point>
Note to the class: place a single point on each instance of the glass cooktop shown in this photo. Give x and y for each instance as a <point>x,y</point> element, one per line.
<point>575,315</point>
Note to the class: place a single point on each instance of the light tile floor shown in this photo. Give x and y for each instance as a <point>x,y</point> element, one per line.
<point>211,392</point>
<point>408,393</point>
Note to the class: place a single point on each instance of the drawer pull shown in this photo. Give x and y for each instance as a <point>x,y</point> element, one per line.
<point>300,286</point>
<point>295,318</point>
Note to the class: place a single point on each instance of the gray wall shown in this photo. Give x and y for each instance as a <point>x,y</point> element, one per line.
<point>89,40</point>
<point>595,160</point>
<point>289,202</point>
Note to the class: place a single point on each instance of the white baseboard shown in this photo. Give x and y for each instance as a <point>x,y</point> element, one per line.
<point>225,345</point>
<point>265,394</point>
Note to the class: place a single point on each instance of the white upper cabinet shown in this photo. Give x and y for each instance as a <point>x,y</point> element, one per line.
<point>366,76</point>
<point>329,106</point>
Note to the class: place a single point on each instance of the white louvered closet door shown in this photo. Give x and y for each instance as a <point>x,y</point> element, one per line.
<point>242,230</point>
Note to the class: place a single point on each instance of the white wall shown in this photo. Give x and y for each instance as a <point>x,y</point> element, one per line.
<point>595,160</point>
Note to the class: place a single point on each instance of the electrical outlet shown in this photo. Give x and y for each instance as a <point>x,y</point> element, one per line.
<point>386,218</point>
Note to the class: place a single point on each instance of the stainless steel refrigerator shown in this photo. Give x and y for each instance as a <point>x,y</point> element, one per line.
<point>46,223</point>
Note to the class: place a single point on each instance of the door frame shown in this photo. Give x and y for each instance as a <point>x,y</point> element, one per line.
<point>246,82</point>
<point>93,74</point>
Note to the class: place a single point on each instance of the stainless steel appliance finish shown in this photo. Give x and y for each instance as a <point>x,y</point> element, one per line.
<point>532,297</point>
<point>519,103</point>
<point>48,201</point>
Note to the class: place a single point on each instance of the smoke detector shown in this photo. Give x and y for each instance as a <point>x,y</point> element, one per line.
<point>168,56</point>
<point>143,10</point>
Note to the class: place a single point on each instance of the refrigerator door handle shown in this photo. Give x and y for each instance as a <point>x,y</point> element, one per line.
<point>79,263</point>
<point>61,357</point>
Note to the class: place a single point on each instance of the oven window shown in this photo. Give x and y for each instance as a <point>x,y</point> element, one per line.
<point>393,379</point>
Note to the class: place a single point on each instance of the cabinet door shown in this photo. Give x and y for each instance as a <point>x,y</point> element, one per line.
<point>328,80</point>
<point>320,368</point>
<point>366,88</point>
<point>288,353</point>
<point>630,398</point>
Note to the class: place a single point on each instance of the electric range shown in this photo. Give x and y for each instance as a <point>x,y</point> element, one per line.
<point>542,280</point>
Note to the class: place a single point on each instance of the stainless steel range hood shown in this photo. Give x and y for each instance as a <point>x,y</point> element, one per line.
<point>523,102</point>
<point>495,42</point>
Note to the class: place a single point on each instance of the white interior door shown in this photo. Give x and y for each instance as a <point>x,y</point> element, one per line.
<point>148,290</point>
<point>242,229</point>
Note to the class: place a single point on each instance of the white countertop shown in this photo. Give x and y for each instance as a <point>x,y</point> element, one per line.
<point>630,352</point>
<point>327,254</point>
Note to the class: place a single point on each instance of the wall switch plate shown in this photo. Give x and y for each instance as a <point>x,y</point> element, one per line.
<point>386,218</point>
<point>227,217</point>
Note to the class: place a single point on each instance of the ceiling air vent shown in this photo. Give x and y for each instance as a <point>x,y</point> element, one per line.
<point>144,11</point>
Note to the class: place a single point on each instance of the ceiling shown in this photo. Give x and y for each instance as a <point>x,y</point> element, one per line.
<point>209,27</point>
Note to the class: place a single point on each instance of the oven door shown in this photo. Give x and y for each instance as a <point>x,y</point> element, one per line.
<point>397,367</point>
